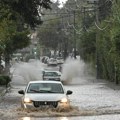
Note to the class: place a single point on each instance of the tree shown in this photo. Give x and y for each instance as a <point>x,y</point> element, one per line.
<point>15,18</point>
<point>29,10</point>
<point>104,7</point>
<point>49,36</point>
<point>12,39</point>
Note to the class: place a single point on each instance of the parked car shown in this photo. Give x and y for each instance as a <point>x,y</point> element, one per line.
<point>60,60</point>
<point>51,75</point>
<point>52,62</point>
<point>45,94</point>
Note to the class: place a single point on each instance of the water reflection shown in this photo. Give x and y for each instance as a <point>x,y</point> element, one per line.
<point>26,118</point>
<point>57,118</point>
<point>63,118</point>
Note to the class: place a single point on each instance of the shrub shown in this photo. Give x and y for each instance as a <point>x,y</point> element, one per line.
<point>4,80</point>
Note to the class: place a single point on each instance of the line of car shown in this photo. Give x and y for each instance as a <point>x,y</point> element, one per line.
<point>48,92</point>
<point>52,61</point>
<point>52,74</point>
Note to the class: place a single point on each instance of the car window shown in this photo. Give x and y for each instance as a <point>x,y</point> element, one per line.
<point>59,58</point>
<point>55,74</point>
<point>45,88</point>
<point>53,60</point>
<point>33,87</point>
<point>50,74</point>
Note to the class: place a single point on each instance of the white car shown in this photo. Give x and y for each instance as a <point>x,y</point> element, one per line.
<point>45,94</point>
<point>52,75</point>
<point>52,62</point>
<point>60,60</point>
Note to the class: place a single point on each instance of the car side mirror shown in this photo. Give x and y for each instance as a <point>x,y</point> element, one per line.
<point>21,92</point>
<point>69,92</point>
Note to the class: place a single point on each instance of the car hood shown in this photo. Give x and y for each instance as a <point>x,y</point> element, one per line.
<point>45,97</point>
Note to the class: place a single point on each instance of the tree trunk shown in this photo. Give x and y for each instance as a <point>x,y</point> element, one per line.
<point>0,66</point>
<point>7,63</point>
<point>65,49</point>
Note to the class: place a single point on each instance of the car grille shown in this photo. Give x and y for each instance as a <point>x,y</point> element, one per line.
<point>45,103</point>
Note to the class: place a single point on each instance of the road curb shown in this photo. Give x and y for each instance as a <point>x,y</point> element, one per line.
<point>4,91</point>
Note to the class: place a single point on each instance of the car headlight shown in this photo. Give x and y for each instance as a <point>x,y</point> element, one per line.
<point>64,100</point>
<point>27,100</point>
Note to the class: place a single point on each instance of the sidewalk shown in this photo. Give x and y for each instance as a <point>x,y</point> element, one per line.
<point>108,84</point>
<point>3,91</point>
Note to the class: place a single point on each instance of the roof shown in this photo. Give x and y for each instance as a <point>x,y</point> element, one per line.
<point>46,81</point>
<point>51,71</point>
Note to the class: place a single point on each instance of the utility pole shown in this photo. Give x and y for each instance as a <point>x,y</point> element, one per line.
<point>74,35</point>
<point>84,11</point>
<point>97,50</point>
<point>74,31</point>
<point>95,3</point>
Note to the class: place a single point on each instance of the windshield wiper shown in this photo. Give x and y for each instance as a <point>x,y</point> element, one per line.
<point>34,90</point>
<point>43,91</point>
<point>46,91</point>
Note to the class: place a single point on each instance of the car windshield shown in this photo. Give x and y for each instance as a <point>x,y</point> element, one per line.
<point>59,58</point>
<point>51,74</point>
<point>45,88</point>
<point>53,60</point>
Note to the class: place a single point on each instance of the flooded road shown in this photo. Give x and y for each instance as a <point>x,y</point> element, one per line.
<point>90,100</point>
<point>102,117</point>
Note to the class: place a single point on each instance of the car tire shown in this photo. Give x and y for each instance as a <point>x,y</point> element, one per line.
<point>55,106</point>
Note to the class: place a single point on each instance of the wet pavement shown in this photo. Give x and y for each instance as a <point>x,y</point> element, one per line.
<point>91,100</point>
<point>102,117</point>
<point>1,90</point>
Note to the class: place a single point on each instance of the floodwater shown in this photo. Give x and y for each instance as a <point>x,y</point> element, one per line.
<point>102,117</point>
<point>89,101</point>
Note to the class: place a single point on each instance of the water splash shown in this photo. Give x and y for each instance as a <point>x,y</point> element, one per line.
<point>29,71</point>
<point>75,71</point>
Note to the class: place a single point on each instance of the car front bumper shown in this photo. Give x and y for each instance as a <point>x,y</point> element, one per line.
<point>31,105</point>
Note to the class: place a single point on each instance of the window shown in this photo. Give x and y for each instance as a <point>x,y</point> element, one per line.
<point>45,88</point>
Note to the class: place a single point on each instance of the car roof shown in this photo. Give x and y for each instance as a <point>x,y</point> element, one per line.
<point>46,81</point>
<point>51,71</point>
<point>59,57</point>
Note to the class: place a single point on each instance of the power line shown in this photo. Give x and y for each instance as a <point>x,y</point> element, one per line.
<point>69,15</point>
<point>58,18</point>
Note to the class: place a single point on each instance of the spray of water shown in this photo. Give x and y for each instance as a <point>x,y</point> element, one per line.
<point>75,71</point>
<point>29,71</point>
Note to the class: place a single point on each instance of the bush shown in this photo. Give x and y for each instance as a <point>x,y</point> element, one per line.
<point>4,80</point>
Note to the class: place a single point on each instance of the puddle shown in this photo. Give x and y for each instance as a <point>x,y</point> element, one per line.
<point>58,118</point>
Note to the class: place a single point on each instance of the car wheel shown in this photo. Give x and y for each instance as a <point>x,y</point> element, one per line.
<point>36,106</point>
<point>55,106</point>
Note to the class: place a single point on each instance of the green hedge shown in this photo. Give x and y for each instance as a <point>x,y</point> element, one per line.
<point>4,80</point>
